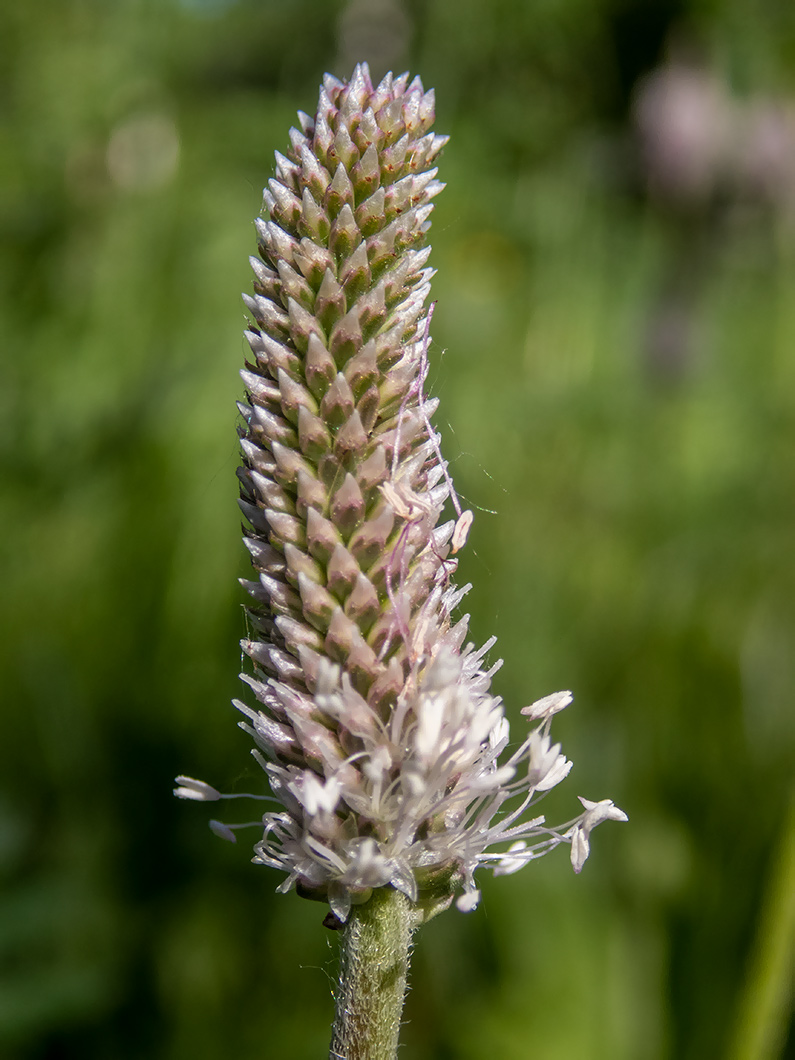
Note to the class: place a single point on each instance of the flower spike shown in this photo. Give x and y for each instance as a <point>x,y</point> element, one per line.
<point>374,723</point>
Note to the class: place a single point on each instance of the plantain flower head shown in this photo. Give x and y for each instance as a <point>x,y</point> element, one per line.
<point>373,718</point>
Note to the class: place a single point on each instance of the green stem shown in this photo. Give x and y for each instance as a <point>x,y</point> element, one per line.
<point>374,962</point>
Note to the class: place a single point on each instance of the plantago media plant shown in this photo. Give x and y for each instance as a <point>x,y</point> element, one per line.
<point>371,714</point>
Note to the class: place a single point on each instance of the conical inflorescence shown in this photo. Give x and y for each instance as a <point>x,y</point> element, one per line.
<point>342,486</point>
<point>373,722</point>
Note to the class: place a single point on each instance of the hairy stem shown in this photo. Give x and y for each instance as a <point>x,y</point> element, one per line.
<point>374,962</point>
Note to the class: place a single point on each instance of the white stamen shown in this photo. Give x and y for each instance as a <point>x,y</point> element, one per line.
<point>461,531</point>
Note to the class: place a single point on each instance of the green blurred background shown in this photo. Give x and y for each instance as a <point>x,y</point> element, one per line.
<point>615,355</point>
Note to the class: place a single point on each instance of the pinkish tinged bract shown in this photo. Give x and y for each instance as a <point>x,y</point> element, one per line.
<point>374,723</point>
